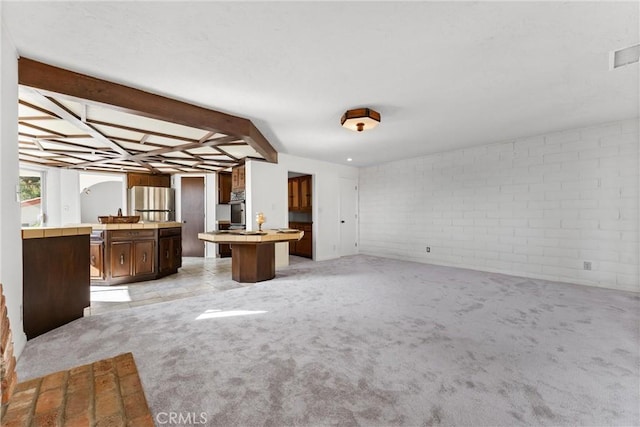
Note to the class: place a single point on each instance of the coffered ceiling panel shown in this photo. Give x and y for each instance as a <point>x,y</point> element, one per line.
<point>65,130</point>
<point>98,138</point>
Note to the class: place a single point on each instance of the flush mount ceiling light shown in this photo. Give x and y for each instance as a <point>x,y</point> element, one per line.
<point>360,119</point>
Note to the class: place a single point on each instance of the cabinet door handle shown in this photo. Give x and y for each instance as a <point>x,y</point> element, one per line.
<point>93,260</point>
<point>167,255</point>
<point>121,259</point>
<point>144,257</point>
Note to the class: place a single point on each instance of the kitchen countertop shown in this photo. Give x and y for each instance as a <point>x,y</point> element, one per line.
<point>267,236</point>
<point>135,226</point>
<point>42,232</point>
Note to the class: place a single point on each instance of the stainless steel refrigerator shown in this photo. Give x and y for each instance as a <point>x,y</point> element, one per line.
<point>153,204</point>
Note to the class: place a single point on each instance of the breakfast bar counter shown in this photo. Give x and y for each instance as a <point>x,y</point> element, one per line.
<point>137,226</point>
<point>252,252</point>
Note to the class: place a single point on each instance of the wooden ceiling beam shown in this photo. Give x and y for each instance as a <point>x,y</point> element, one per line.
<point>259,143</point>
<point>83,87</point>
<point>29,118</point>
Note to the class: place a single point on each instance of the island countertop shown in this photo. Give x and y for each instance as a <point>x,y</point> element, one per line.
<point>252,252</point>
<point>42,232</point>
<point>79,229</point>
<point>136,225</point>
<point>251,237</point>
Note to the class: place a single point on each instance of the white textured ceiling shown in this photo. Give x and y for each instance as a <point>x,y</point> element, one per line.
<point>444,75</point>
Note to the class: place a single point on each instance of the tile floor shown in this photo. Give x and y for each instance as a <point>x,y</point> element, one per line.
<point>197,276</point>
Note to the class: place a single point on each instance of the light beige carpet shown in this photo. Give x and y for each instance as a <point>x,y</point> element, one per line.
<point>371,341</point>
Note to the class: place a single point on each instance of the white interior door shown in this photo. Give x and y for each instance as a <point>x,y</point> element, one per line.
<point>348,216</point>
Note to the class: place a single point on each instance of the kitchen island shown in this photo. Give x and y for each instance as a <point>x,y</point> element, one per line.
<point>55,277</point>
<point>125,253</point>
<point>252,252</point>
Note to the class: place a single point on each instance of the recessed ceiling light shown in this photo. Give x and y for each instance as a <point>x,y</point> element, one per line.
<point>349,159</point>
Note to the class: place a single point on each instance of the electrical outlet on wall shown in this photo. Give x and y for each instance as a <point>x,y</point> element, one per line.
<point>428,249</point>
<point>587,265</point>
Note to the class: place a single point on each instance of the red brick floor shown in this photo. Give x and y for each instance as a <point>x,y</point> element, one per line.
<point>104,393</point>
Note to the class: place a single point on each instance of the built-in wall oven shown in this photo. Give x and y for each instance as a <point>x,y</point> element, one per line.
<point>238,214</point>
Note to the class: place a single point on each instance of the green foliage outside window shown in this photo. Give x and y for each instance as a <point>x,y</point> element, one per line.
<point>29,187</point>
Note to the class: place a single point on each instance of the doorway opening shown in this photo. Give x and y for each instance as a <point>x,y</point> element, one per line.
<point>300,190</point>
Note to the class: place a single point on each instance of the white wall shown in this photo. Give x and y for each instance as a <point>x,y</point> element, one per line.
<point>210,216</point>
<point>100,199</point>
<point>537,207</point>
<point>10,237</point>
<point>107,193</point>
<point>62,194</point>
<point>267,192</point>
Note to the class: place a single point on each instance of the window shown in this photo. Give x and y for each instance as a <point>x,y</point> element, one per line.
<point>31,198</point>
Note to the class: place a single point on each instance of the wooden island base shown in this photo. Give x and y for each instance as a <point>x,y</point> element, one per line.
<point>253,256</point>
<point>253,263</point>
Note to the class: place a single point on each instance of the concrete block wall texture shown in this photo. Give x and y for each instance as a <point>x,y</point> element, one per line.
<point>536,207</point>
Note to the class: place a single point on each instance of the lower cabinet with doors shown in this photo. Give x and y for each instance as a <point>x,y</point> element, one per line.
<point>224,250</point>
<point>170,244</point>
<point>304,246</point>
<point>120,256</point>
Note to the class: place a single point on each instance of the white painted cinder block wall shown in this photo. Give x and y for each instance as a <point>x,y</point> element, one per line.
<point>536,207</point>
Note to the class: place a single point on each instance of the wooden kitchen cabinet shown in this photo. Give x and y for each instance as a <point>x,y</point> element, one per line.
<point>132,254</point>
<point>304,246</point>
<point>238,178</point>
<point>300,195</point>
<point>224,188</point>
<point>143,256</point>
<point>170,250</point>
<point>294,194</point>
<point>96,256</point>
<point>120,259</point>
<point>55,281</point>
<point>224,250</point>
<point>124,256</point>
<point>305,193</point>
<point>148,180</point>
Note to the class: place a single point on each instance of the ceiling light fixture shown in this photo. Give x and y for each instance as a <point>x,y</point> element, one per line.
<point>360,119</point>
